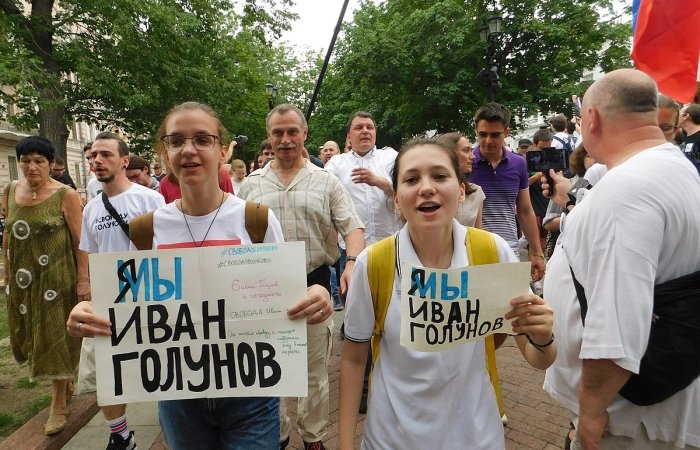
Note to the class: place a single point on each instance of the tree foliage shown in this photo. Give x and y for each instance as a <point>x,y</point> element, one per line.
<point>413,63</point>
<point>127,62</point>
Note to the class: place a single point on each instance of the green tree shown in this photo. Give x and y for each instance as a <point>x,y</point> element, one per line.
<point>126,62</point>
<point>413,63</point>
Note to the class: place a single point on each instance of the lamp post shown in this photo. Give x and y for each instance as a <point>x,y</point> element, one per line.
<point>490,32</point>
<point>272,94</point>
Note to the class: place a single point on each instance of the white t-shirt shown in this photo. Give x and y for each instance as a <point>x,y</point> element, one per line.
<point>627,234</point>
<point>93,188</point>
<point>228,228</point>
<point>595,173</point>
<point>101,233</point>
<point>236,185</point>
<point>424,400</point>
<point>373,205</point>
<point>564,136</point>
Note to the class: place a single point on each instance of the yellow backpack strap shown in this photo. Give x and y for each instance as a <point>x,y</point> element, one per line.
<point>141,231</point>
<point>381,260</point>
<point>481,249</point>
<point>256,221</point>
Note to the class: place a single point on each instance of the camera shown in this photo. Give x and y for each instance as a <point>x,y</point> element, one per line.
<point>542,160</point>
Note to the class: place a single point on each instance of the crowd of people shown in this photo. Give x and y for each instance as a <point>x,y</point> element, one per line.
<point>620,254</point>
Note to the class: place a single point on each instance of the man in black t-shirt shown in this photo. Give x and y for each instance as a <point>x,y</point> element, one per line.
<point>58,172</point>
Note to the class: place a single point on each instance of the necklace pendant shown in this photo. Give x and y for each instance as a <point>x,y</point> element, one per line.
<point>33,195</point>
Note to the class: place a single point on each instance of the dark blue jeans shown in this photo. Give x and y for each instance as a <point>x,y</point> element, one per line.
<point>241,423</point>
<point>335,284</point>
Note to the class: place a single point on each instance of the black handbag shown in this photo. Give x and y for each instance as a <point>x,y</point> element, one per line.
<point>672,358</point>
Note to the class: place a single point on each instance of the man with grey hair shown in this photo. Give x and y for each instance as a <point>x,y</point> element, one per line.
<point>620,243</point>
<point>310,204</point>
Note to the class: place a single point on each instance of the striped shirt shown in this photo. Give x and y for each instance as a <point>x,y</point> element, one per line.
<point>308,209</point>
<point>501,187</point>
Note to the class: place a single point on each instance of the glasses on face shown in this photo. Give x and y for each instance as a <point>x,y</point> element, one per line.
<point>201,142</point>
<point>491,134</point>
<point>666,127</point>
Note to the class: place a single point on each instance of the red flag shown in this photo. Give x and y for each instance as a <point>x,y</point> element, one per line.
<point>667,44</point>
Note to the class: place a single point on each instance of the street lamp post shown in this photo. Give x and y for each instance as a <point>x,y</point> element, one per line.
<point>272,95</point>
<point>490,32</point>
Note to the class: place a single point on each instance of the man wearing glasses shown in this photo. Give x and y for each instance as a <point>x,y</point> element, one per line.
<point>137,172</point>
<point>668,117</point>
<point>504,178</point>
<point>58,172</point>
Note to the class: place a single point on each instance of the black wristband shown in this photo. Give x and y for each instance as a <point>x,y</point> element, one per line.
<point>351,258</point>
<point>540,346</point>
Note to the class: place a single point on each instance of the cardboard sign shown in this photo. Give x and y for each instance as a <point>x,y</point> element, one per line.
<point>441,309</point>
<point>204,322</point>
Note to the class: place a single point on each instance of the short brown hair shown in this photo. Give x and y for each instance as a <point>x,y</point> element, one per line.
<point>493,112</point>
<point>106,135</point>
<point>558,122</point>
<point>362,114</point>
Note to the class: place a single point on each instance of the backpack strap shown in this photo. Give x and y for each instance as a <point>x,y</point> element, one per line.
<point>566,144</point>
<point>481,249</point>
<point>141,231</point>
<point>256,221</point>
<point>381,260</point>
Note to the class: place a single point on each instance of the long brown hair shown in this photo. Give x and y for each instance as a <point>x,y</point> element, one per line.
<point>451,140</point>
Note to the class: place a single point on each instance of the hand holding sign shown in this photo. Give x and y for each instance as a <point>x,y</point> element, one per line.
<point>316,307</point>
<point>82,322</point>
<point>532,316</point>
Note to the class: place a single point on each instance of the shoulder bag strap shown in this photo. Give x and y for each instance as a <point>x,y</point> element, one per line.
<point>115,215</point>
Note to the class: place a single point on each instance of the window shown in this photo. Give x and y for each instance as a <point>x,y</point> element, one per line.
<point>12,165</point>
<point>78,178</point>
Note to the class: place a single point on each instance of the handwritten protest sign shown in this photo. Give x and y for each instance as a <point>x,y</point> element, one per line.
<point>205,322</point>
<point>441,309</point>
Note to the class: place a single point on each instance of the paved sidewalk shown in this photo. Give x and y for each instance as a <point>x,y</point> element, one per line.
<point>535,421</point>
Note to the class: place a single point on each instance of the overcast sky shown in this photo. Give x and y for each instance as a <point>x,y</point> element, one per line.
<point>317,19</point>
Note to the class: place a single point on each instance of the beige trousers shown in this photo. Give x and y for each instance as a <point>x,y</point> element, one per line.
<point>313,410</point>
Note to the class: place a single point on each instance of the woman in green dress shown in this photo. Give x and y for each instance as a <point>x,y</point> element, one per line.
<point>40,250</point>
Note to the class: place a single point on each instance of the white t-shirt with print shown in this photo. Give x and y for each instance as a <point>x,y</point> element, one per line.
<point>424,400</point>
<point>101,233</point>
